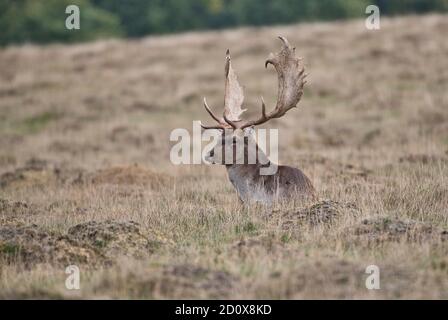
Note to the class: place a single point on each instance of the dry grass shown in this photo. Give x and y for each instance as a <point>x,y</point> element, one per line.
<point>86,176</point>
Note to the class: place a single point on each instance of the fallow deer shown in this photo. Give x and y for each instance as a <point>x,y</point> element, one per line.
<point>250,184</point>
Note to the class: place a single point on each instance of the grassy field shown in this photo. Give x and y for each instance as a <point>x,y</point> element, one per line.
<point>85,176</point>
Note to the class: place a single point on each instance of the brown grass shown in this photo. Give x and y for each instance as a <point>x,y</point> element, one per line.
<point>86,177</point>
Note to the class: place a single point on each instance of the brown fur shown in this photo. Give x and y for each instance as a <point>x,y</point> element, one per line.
<point>251,185</point>
<point>288,182</point>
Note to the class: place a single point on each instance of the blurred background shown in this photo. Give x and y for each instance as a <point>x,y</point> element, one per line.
<point>40,20</point>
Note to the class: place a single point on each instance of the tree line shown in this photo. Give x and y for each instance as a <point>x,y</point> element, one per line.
<point>43,21</point>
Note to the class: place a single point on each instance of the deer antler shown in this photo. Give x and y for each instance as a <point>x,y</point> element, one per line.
<point>291,79</point>
<point>233,99</point>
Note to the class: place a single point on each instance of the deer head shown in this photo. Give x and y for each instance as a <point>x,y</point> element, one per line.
<point>291,79</point>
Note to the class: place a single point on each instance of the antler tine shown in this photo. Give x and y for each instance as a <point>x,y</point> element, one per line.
<point>263,108</point>
<point>210,112</point>
<point>285,41</point>
<point>219,127</point>
<point>230,122</point>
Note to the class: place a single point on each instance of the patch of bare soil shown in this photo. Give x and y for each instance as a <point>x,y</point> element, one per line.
<point>323,212</point>
<point>27,177</point>
<point>264,244</point>
<point>31,245</point>
<point>131,175</point>
<point>310,278</point>
<point>422,159</point>
<point>74,148</point>
<point>93,243</point>
<point>7,159</point>
<point>332,278</point>
<point>40,173</point>
<point>17,208</point>
<point>7,220</point>
<point>115,239</point>
<point>174,282</point>
<point>126,136</point>
<point>217,284</point>
<point>382,229</point>
<point>334,136</point>
<point>15,213</point>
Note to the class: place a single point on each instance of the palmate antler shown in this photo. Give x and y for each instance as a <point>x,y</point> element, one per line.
<point>291,79</point>
<point>233,99</point>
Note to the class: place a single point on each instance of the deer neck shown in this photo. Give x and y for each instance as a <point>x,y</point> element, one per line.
<point>247,180</point>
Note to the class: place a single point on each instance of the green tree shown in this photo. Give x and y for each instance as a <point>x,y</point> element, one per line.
<point>411,6</point>
<point>132,15</point>
<point>44,21</point>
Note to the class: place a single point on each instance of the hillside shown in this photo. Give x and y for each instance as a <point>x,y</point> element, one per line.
<point>85,176</point>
